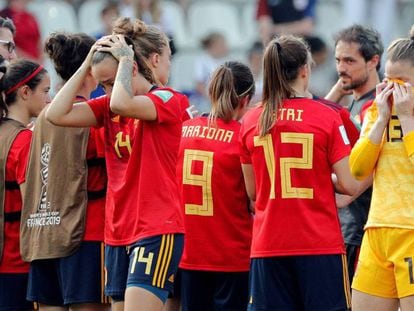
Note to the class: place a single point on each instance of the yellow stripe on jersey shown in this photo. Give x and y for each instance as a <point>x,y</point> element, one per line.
<point>157,266</point>
<point>347,287</point>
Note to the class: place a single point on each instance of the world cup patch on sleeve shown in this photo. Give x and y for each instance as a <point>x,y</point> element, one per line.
<point>163,94</point>
<point>344,135</point>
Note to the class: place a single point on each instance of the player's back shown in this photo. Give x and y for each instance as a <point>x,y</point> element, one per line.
<point>293,165</point>
<point>215,202</point>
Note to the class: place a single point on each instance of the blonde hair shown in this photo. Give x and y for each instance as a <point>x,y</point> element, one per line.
<point>402,49</point>
<point>145,40</point>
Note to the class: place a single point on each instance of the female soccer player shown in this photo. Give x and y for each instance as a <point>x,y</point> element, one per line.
<point>290,146</point>
<point>66,249</point>
<point>218,223</point>
<point>384,279</point>
<point>24,93</point>
<point>142,133</point>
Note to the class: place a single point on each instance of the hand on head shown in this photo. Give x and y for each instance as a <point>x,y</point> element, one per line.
<point>116,45</point>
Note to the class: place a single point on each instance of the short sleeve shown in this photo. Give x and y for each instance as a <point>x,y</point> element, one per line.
<point>168,105</point>
<point>245,157</point>
<point>340,145</point>
<point>351,128</point>
<point>100,107</point>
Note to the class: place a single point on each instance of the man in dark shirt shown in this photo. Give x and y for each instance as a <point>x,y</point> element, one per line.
<point>358,51</point>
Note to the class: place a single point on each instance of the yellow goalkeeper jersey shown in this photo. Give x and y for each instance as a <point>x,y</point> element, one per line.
<point>392,165</point>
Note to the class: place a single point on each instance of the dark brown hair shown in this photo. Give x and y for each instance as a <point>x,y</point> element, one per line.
<point>282,61</point>
<point>13,73</point>
<point>68,51</point>
<point>230,82</point>
<point>145,40</point>
<point>368,39</point>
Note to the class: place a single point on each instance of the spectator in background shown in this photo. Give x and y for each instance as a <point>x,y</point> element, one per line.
<point>277,17</point>
<point>185,4</point>
<point>381,14</point>
<point>318,49</point>
<point>109,14</point>
<point>323,72</point>
<point>151,13</point>
<point>126,8</point>
<point>255,58</point>
<point>7,45</point>
<point>27,37</point>
<point>215,51</point>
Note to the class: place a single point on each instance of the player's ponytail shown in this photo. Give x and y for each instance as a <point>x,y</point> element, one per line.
<point>230,83</point>
<point>402,49</point>
<point>282,60</point>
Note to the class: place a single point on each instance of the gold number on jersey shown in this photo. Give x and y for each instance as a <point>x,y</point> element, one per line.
<point>305,162</point>
<point>139,257</point>
<point>288,163</point>
<point>203,180</point>
<point>119,142</point>
<point>267,143</point>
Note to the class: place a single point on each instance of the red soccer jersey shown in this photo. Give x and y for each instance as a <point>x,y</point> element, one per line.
<point>351,129</point>
<point>295,203</point>
<point>119,136</point>
<point>143,198</point>
<point>11,261</point>
<point>217,221</point>
<point>94,229</point>
<point>148,200</point>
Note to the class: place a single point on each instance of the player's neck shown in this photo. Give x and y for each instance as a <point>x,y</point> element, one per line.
<point>19,113</point>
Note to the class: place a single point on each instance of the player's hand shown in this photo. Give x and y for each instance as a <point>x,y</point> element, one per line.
<point>343,200</point>
<point>382,100</point>
<point>117,46</point>
<point>403,96</point>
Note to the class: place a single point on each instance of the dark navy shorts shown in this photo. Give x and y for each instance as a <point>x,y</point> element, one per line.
<point>13,290</point>
<point>153,263</point>
<point>116,266</point>
<point>299,283</point>
<point>76,279</point>
<point>208,290</point>
<point>352,255</point>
